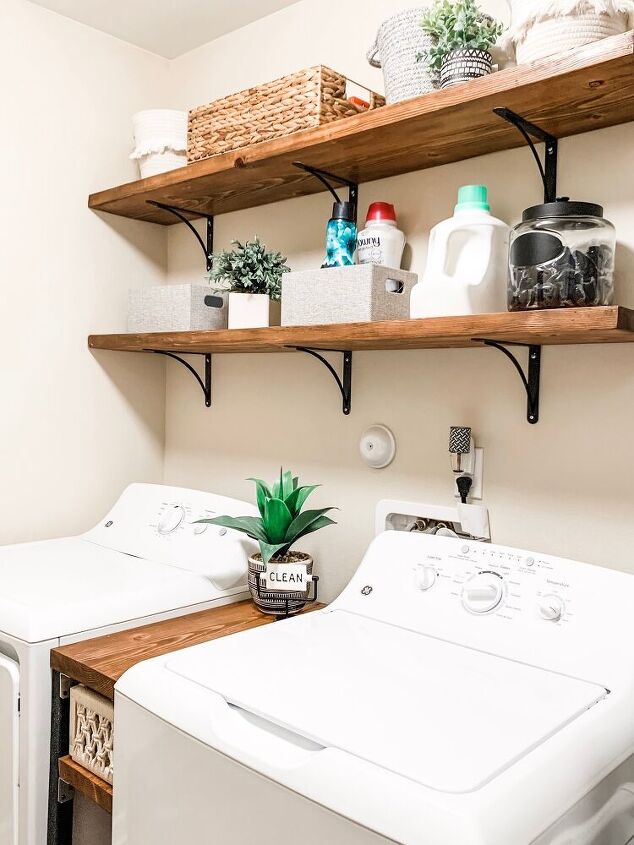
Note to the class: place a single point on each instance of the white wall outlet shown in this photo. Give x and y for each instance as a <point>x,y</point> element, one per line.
<point>478,473</point>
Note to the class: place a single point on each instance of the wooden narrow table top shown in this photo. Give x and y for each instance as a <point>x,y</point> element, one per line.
<point>100,662</point>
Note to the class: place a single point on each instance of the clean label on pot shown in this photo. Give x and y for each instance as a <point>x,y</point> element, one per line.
<point>291,577</point>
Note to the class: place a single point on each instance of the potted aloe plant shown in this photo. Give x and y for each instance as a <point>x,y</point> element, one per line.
<point>252,275</point>
<point>462,35</point>
<point>282,522</point>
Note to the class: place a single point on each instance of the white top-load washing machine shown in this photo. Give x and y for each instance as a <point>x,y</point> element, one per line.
<point>145,561</point>
<point>456,693</point>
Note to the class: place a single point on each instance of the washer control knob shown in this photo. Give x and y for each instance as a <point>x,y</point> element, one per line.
<point>171,519</point>
<point>425,577</point>
<point>551,608</point>
<point>483,592</point>
<point>200,527</point>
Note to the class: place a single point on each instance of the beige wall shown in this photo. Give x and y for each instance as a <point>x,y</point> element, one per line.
<point>74,428</point>
<point>77,427</point>
<point>563,486</point>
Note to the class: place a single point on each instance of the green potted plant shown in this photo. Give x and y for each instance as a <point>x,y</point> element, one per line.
<point>252,275</point>
<point>462,35</point>
<point>282,522</point>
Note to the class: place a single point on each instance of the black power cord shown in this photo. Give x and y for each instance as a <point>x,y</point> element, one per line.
<point>463,483</point>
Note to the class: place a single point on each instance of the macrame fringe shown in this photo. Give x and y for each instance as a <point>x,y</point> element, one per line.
<point>158,147</point>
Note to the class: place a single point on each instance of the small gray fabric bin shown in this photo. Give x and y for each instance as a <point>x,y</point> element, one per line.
<point>176,308</point>
<point>364,293</point>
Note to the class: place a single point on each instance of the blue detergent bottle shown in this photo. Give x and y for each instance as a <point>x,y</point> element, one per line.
<point>341,236</point>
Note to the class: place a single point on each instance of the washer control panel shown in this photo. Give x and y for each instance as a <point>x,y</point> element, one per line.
<point>487,580</point>
<point>555,613</point>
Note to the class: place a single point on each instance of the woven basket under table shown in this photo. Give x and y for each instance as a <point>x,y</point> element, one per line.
<point>303,100</point>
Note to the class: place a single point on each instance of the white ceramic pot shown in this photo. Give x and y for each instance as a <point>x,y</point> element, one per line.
<point>249,310</point>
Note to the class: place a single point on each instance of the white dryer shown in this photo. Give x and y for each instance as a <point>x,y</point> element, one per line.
<point>455,692</point>
<point>145,561</point>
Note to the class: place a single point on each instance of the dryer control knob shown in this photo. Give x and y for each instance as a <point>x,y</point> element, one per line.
<point>551,608</point>
<point>171,519</point>
<point>483,592</point>
<point>425,577</point>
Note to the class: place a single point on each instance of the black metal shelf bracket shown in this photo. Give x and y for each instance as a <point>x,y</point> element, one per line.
<point>548,170</point>
<point>206,245</point>
<point>531,381</point>
<point>327,178</point>
<point>344,383</point>
<point>205,385</point>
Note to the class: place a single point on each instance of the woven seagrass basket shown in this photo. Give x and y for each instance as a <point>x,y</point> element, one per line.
<point>302,100</point>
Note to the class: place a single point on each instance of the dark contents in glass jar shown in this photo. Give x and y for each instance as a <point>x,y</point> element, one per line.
<point>572,280</point>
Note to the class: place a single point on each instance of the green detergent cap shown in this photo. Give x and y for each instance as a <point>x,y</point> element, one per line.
<point>472,198</point>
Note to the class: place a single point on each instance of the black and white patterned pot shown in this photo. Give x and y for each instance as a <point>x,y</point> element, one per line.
<point>465,64</point>
<point>276,602</point>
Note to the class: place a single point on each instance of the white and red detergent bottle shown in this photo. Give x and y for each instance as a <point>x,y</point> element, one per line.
<point>381,242</point>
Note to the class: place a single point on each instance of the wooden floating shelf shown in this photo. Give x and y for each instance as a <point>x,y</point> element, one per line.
<point>585,89</point>
<point>610,324</point>
<point>83,781</point>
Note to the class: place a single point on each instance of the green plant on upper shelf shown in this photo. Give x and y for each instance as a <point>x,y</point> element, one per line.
<point>249,268</point>
<point>281,522</point>
<point>454,25</point>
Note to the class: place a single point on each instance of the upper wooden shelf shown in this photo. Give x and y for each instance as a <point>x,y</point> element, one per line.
<point>563,326</point>
<point>583,90</point>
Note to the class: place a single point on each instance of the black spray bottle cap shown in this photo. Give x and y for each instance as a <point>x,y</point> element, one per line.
<point>343,211</point>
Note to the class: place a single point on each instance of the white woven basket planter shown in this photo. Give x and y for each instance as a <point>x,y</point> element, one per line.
<point>91,731</point>
<point>399,41</point>
<point>556,35</point>
<point>541,29</point>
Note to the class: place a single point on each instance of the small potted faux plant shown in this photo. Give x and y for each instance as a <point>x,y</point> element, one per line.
<point>281,523</point>
<point>462,35</point>
<point>252,276</point>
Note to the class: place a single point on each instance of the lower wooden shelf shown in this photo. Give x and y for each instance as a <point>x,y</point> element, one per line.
<point>83,781</point>
<point>533,329</point>
<point>609,324</point>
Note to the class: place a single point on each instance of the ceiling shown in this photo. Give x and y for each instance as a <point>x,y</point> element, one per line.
<point>165,27</point>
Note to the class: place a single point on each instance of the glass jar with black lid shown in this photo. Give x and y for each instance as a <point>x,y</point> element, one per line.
<point>561,256</point>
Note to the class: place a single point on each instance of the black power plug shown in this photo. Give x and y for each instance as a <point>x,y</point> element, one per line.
<point>463,483</point>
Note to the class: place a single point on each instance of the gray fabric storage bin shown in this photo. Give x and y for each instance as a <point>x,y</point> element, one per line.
<point>175,308</point>
<point>358,294</point>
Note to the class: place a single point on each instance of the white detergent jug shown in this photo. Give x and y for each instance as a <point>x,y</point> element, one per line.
<point>467,262</point>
